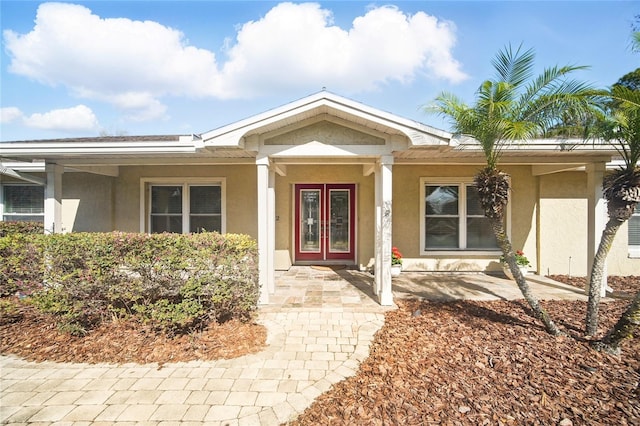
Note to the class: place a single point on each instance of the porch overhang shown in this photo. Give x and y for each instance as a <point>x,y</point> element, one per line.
<point>324,106</point>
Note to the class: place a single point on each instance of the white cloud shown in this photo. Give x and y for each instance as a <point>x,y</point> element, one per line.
<point>79,118</point>
<point>134,64</point>
<point>383,45</point>
<point>109,59</point>
<point>9,114</point>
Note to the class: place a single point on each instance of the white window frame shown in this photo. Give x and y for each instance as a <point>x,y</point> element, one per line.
<point>460,182</point>
<point>634,250</point>
<point>145,199</point>
<point>3,213</point>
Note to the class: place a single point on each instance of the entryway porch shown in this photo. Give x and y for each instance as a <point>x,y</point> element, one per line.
<point>342,288</point>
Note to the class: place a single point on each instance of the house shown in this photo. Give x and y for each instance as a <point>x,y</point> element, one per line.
<point>325,179</point>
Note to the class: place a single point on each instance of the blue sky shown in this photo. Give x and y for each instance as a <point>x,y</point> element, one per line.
<point>178,67</point>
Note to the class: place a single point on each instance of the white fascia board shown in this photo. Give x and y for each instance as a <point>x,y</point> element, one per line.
<point>24,166</point>
<point>466,143</point>
<point>44,149</point>
<point>419,134</point>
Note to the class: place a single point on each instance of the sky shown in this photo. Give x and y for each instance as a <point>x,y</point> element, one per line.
<point>99,68</point>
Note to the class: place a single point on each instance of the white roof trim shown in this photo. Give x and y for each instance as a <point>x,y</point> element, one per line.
<point>38,149</point>
<point>467,143</point>
<point>232,135</point>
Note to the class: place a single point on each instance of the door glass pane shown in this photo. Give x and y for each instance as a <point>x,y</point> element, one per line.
<point>339,216</point>
<point>441,233</point>
<point>310,220</point>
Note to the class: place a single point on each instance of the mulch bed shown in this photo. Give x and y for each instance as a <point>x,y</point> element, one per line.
<point>36,337</point>
<point>487,363</point>
<point>454,363</point>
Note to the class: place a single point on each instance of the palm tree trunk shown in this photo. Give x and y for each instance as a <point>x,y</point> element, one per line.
<point>509,255</point>
<point>623,330</point>
<point>597,270</point>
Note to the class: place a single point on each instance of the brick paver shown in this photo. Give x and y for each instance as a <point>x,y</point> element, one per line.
<point>309,349</point>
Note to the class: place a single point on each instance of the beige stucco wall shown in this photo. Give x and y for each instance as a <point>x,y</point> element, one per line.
<point>618,261</point>
<point>406,218</point>
<point>241,198</point>
<point>365,232</point>
<point>563,229</point>
<point>87,202</point>
<point>563,223</point>
<point>548,214</point>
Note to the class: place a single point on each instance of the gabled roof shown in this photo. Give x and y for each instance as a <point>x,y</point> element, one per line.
<point>330,104</point>
<point>230,142</point>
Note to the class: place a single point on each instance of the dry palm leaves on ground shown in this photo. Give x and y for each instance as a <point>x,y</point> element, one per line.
<point>476,363</point>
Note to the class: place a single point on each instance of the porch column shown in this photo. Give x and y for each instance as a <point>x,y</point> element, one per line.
<point>383,181</point>
<point>53,198</point>
<point>271,226</point>
<point>596,217</point>
<point>266,230</point>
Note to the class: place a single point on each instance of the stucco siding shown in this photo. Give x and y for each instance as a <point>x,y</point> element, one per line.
<point>87,202</point>
<point>563,223</point>
<point>618,261</point>
<point>240,185</point>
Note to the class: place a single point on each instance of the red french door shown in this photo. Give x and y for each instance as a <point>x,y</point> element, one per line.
<point>325,222</point>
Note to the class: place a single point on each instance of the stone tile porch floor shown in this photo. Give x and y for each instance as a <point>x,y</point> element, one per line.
<point>320,326</point>
<point>328,287</point>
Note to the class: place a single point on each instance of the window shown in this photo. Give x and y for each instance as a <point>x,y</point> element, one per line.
<point>23,203</point>
<point>185,207</point>
<point>452,218</point>
<point>634,233</point>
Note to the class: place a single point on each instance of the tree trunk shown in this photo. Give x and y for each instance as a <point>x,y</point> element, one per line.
<point>623,330</point>
<point>510,257</point>
<point>595,279</point>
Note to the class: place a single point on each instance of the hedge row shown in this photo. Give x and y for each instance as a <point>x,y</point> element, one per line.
<point>176,282</point>
<point>20,227</point>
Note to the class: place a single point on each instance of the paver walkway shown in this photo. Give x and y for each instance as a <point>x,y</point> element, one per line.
<point>319,330</point>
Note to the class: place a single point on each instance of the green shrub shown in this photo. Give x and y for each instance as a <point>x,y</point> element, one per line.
<point>20,227</point>
<point>175,282</point>
<point>22,265</point>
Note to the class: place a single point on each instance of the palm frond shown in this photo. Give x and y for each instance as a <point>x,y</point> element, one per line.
<point>514,67</point>
<point>512,107</point>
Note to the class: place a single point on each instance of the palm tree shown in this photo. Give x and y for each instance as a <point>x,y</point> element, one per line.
<point>635,35</point>
<point>513,107</point>
<point>621,188</point>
